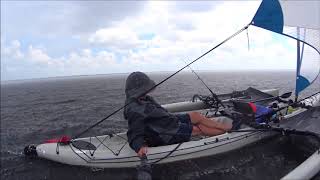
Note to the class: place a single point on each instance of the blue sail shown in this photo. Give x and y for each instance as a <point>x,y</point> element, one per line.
<point>269,16</point>
<point>299,20</point>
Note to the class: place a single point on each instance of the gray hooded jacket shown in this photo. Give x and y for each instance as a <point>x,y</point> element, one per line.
<point>148,122</point>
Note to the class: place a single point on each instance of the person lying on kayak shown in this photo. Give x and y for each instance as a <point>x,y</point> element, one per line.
<point>149,124</point>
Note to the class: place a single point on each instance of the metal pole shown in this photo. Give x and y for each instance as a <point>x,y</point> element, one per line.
<point>298,64</point>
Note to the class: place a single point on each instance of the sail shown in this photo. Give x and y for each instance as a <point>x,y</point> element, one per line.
<point>299,20</point>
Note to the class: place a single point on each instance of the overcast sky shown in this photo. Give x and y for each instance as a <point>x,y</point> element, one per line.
<point>63,38</point>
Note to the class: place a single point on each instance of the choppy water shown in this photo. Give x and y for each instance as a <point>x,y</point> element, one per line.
<point>35,110</point>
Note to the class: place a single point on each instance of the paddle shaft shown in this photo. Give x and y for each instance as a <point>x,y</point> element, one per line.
<point>144,169</point>
<point>284,131</point>
<point>285,95</point>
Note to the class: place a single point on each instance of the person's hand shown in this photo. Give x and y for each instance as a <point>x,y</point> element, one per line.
<point>142,151</point>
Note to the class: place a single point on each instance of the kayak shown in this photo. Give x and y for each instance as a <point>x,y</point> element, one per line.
<point>123,156</point>
<point>307,169</point>
<point>113,150</point>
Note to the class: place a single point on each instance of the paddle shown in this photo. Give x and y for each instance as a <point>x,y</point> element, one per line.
<point>144,169</point>
<point>286,95</point>
<point>283,96</point>
<point>283,131</point>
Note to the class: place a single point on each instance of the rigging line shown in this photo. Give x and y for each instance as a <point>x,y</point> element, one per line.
<point>248,39</point>
<point>212,93</point>
<point>302,49</point>
<point>166,156</point>
<point>309,96</point>
<point>164,80</point>
<point>199,78</point>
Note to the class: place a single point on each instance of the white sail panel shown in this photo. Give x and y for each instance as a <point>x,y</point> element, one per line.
<point>301,20</point>
<point>301,13</point>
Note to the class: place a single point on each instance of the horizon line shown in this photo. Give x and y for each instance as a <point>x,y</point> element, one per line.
<point>124,73</point>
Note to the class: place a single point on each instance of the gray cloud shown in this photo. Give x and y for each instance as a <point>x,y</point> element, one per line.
<point>50,18</point>
<point>87,16</point>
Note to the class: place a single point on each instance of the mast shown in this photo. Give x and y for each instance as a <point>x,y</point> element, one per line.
<point>298,64</point>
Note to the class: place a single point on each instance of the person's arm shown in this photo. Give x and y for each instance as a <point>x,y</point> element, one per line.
<point>136,127</point>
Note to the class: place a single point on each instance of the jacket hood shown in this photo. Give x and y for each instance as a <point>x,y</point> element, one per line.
<point>137,84</point>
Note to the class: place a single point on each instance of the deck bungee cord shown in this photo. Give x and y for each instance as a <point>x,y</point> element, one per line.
<point>94,160</point>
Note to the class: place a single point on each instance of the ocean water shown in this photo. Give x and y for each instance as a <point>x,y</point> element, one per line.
<point>36,110</point>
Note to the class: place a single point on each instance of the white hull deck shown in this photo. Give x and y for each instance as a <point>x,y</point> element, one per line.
<point>104,158</point>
